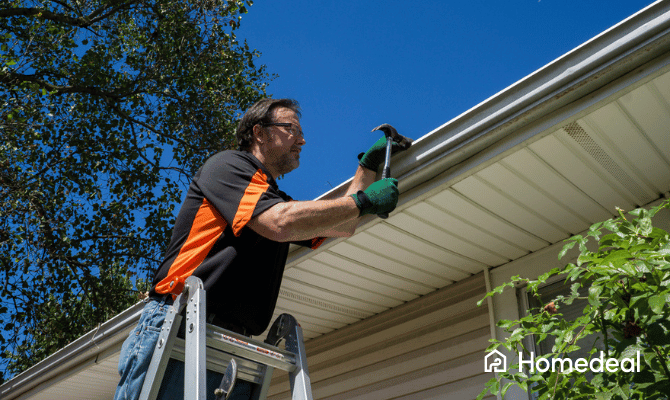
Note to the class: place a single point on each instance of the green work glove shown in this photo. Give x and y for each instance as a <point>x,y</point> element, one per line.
<point>376,154</point>
<point>380,197</point>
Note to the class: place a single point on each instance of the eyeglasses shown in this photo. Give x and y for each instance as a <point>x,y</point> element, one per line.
<point>293,129</point>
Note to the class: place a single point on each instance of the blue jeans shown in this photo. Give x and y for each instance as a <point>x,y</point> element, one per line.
<point>138,348</point>
<point>136,355</point>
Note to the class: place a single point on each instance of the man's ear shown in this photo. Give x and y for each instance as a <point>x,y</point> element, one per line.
<point>259,133</point>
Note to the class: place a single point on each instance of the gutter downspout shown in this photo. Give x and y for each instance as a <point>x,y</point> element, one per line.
<point>492,318</point>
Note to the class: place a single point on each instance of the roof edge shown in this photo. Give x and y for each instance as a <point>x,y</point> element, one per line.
<point>90,345</point>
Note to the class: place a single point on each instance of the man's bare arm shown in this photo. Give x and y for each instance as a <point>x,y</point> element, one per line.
<point>362,179</point>
<point>304,220</point>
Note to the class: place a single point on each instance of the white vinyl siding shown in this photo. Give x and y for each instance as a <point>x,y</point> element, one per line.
<point>429,348</point>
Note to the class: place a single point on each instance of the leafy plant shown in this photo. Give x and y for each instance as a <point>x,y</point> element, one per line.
<point>628,281</point>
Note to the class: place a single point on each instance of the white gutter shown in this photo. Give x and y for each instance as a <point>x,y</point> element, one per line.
<point>84,350</point>
<point>499,120</point>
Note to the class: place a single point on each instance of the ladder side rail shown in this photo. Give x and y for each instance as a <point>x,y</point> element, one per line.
<point>301,386</point>
<point>195,372</point>
<point>261,391</point>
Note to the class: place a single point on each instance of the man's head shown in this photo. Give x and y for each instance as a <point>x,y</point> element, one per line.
<point>258,114</point>
<point>270,129</point>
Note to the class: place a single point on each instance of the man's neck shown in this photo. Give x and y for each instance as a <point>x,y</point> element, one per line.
<point>256,152</point>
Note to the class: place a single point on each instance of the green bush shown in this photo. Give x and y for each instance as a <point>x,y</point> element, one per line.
<point>628,281</point>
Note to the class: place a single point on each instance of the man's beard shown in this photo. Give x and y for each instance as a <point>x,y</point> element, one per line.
<point>287,163</point>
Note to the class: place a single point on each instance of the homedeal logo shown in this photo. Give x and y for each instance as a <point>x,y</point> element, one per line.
<point>495,361</point>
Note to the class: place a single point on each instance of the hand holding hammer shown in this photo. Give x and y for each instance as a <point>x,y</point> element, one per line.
<point>392,142</point>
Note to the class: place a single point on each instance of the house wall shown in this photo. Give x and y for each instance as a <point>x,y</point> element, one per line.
<point>429,348</point>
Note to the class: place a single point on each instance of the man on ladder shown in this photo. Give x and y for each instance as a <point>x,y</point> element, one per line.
<point>233,232</point>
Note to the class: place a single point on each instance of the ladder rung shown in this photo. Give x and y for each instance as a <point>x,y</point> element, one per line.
<point>251,349</point>
<point>217,361</point>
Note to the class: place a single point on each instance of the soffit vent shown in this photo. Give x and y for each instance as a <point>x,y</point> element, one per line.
<point>579,135</point>
<point>308,300</point>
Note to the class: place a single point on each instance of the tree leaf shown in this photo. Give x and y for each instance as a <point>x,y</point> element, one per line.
<point>565,249</point>
<point>657,303</point>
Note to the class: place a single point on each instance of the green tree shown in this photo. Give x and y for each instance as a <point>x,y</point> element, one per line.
<point>107,108</point>
<point>628,281</point>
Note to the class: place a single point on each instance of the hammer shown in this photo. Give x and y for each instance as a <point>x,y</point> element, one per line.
<point>391,136</point>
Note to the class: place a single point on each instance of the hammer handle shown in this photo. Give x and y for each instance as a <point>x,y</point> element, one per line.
<point>386,172</point>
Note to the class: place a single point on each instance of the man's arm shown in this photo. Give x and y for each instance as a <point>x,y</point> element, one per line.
<point>362,179</point>
<point>305,220</point>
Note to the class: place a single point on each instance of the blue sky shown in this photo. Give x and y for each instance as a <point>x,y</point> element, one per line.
<point>354,65</point>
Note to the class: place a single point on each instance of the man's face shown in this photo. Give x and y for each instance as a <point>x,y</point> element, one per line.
<point>285,143</point>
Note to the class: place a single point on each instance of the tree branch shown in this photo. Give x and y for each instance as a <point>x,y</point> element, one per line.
<point>31,12</point>
<point>98,15</point>
<point>15,78</point>
<point>64,5</point>
<point>127,117</point>
<point>81,22</point>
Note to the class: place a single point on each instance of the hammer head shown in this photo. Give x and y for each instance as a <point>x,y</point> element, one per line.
<point>390,131</point>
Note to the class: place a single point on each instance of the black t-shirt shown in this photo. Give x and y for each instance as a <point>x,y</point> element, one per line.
<point>240,269</point>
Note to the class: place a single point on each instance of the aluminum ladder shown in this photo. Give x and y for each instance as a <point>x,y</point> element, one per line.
<point>206,346</point>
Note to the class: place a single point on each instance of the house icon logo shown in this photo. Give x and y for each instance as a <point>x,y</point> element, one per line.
<point>495,361</point>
